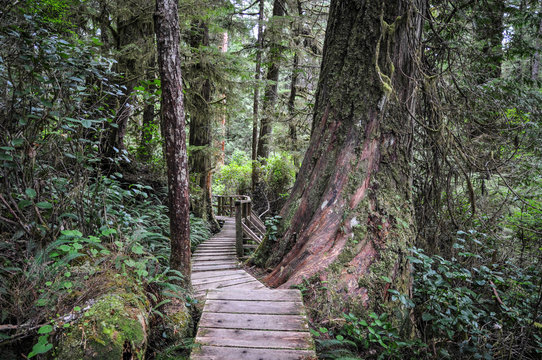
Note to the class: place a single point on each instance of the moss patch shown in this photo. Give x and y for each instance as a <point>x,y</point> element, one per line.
<point>114,327</point>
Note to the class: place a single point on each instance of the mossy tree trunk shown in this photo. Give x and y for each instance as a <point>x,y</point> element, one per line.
<point>201,119</point>
<point>274,33</point>
<point>349,219</point>
<point>173,125</point>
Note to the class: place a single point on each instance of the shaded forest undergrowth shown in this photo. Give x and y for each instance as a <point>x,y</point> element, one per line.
<point>84,223</point>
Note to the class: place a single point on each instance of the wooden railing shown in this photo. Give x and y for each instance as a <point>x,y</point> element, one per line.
<point>249,228</point>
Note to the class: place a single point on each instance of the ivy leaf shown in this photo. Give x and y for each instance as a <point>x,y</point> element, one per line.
<point>45,329</point>
<point>31,193</point>
<point>44,205</point>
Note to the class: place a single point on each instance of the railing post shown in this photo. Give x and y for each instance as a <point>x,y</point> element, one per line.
<point>239,229</point>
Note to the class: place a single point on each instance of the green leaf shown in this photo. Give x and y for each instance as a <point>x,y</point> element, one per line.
<point>31,193</point>
<point>86,123</point>
<point>24,203</point>
<point>108,232</point>
<point>74,233</point>
<point>137,249</point>
<point>40,348</point>
<point>17,142</point>
<point>45,329</point>
<point>427,316</point>
<point>41,302</point>
<point>65,248</point>
<point>44,205</point>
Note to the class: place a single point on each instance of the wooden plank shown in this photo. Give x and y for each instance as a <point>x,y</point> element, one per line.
<point>244,282</point>
<point>251,234</point>
<point>214,267</point>
<point>221,278</point>
<point>253,321</point>
<point>255,338</point>
<point>214,263</point>
<point>217,243</point>
<point>264,295</point>
<point>254,307</point>
<point>210,274</point>
<point>239,353</point>
<point>216,247</point>
<point>254,285</point>
<point>200,258</point>
<point>214,253</point>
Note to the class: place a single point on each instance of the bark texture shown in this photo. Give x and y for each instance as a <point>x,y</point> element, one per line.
<point>270,97</point>
<point>201,119</point>
<point>349,218</point>
<point>257,77</point>
<point>173,125</point>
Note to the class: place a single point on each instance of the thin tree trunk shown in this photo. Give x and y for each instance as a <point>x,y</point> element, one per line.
<point>349,219</point>
<point>293,88</point>
<point>536,57</point>
<point>273,69</point>
<point>222,155</point>
<point>256,104</point>
<point>173,123</point>
<point>145,145</point>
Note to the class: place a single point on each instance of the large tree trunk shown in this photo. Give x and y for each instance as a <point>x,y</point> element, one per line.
<point>349,219</point>
<point>201,138</point>
<point>173,124</point>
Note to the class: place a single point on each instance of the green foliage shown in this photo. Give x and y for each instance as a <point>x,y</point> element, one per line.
<point>271,225</point>
<point>469,305</point>
<point>374,335</point>
<point>234,177</point>
<point>279,172</point>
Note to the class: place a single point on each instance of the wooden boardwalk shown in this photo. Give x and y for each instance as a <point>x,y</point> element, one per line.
<point>242,319</point>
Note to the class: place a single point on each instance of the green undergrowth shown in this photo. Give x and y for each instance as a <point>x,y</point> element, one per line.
<point>467,306</point>
<point>127,255</point>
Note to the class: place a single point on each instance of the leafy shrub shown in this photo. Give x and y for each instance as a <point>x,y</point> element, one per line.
<point>279,172</point>
<point>235,177</point>
<point>376,336</point>
<point>472,306</point>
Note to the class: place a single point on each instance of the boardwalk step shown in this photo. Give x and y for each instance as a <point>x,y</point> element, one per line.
<point>241,318</point>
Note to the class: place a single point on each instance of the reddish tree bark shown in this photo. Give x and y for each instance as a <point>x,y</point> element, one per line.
<point>173,124</point>
<point>349,218</point>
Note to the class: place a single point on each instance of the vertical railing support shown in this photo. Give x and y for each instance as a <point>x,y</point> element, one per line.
<point>239,229</point>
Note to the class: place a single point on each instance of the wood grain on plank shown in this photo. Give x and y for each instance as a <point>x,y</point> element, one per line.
<point>236,353</point>
<point>210,274</point>
<point>269,295</point>
<point>254,321</point>
<point>254,307</point>
<point>254,338</point>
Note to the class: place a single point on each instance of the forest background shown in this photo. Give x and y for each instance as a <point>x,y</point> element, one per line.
<point>83,189</point>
